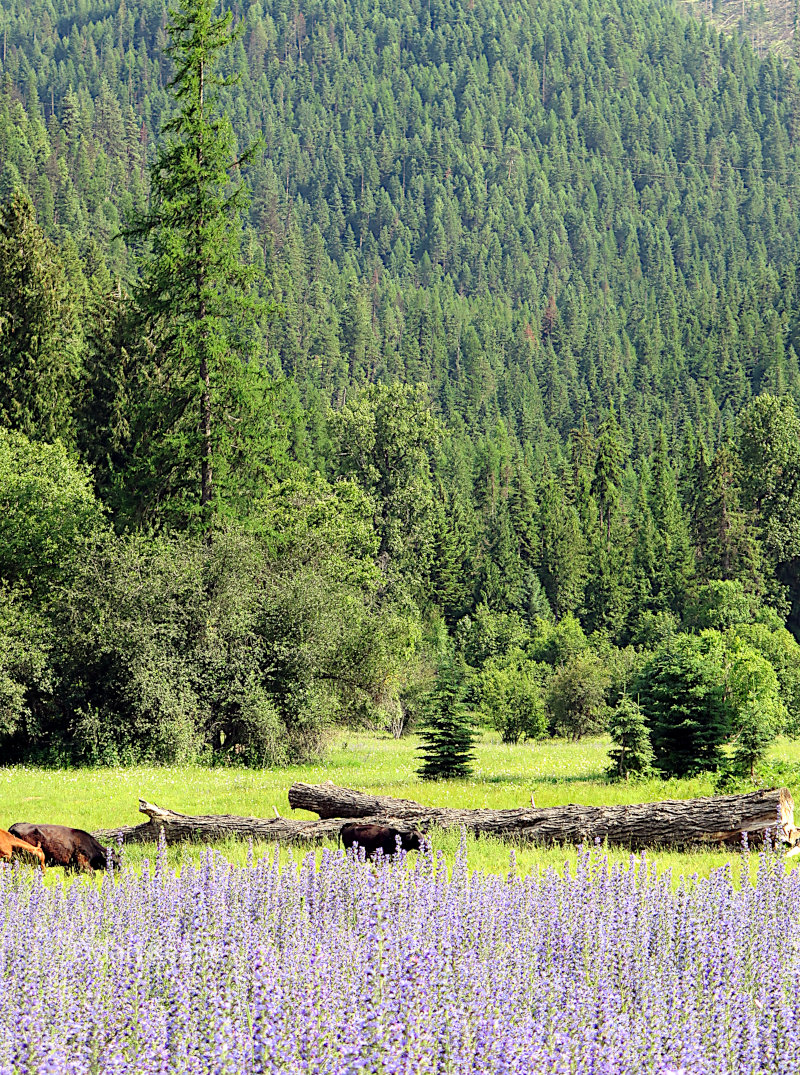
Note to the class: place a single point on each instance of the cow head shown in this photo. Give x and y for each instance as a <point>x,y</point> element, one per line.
<point>411,841</point>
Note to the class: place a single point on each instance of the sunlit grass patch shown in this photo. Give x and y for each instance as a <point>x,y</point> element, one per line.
<point>553,772</point>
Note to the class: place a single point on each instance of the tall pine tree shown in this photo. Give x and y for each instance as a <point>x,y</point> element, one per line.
<point>202,431</point>
<point>41,346</point>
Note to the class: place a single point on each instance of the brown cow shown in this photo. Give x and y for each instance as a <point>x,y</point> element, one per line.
<point>73,849</point>
<point>375,838</point>
<point>11,847</point>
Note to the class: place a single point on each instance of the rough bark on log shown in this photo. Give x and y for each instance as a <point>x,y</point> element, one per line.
<point>208,828</point>
<point>668,823</point>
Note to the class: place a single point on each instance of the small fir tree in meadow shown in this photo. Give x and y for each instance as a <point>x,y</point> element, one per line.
<point>682,690</point>
<point>632,751</point>
<point>448,732</point>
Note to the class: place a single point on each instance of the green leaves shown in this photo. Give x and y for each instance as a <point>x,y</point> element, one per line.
<point>47,512</point>
<point>576,698</point>
<point>511,694</point>
<point>758,714</point>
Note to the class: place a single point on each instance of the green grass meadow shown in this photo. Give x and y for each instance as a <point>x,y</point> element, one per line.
<point>553,772</point>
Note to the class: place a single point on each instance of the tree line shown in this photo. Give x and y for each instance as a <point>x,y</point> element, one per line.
<point>266,468</point>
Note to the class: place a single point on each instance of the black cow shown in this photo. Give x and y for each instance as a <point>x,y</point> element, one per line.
<point>375,838</point>
<point>73,849</point>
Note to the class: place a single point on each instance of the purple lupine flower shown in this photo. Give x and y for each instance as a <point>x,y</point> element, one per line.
<point>400,968</point>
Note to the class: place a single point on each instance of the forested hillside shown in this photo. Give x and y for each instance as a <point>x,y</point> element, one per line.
<point>518,378</point>
<point>769,25</point>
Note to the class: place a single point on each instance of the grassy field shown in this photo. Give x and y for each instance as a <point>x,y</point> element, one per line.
<point>553,772</point>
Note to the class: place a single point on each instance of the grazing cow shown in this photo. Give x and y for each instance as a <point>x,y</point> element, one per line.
<point>12,847</point>
<point>73,849</point>
<point>375,838</point>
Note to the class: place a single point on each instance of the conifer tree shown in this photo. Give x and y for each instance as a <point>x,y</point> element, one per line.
<point>40,341</point>
<point>448,733</point>
<point>561,556</point>
<point>632,751</point>
<point>673,558</point>
<point>681,689</point>
<point>385,438</point>
<point>608,471</point>
<point>727,544</point>
<point>643,557</point>
<point>769,454</point>
<point>203,403</point>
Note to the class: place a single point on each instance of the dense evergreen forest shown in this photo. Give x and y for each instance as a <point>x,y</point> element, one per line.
<point>502,360</point>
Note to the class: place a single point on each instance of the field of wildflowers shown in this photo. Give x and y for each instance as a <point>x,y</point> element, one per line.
<point>337,967</point>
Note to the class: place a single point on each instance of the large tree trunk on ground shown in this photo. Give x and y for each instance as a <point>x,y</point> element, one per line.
<point>208,828</point>
<point>669,823</point>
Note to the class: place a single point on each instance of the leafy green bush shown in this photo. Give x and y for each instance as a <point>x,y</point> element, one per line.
<point>511,691</point>
<point>781,649</point>
<point>489,633</point>
<point>576,700</point>
<point>47,511</point>
<point>758,713</point>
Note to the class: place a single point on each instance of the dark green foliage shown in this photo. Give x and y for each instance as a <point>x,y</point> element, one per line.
<point>448,730</point>
<point>26,673</point>
<point>727,543</point>
<point>201,395</point>
<point>681,690</point>
<point>40,341</point>
<point>632,751</point>
<point>169,649</point>
<point>479,213</point>
<point>117,649</point>
<point>533,376</point>
<point>605,485</point>
<point>769,451</point>
<point>385,439</point>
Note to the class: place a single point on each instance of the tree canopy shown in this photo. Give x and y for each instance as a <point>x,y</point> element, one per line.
<point>497,337</point>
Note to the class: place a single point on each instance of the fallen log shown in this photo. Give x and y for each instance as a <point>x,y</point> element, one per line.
<point>668,823</point>
<point>210,827</point>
